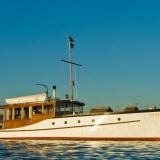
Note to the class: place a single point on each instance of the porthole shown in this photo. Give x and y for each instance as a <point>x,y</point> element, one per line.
<point>119,119</point>
<point>65,122</point>
<point>93,120</point>
<point>79,121</point>
<point>53,123</point>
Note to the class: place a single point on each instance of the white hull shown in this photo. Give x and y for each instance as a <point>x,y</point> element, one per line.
<point>129,126</point>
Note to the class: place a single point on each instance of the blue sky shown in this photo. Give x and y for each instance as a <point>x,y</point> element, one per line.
<point>116,41</point>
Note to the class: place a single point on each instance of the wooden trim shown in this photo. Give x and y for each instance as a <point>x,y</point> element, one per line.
<point>7,114</point>
<point>17,123</point>
<point>30,112</point>
<point>86,138</point>
<point>13,113</point>
<point>4,115</point>
<point>22,113</point>
<point>42,108</point>
<point>54,110</point>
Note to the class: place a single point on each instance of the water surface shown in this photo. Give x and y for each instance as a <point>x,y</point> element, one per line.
<point>79,150</point>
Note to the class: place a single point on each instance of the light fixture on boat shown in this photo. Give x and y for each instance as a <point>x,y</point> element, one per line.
<point>54,92</point>
<point>66,96</point>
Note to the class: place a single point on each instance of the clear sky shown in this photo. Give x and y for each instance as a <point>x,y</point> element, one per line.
<point>117,41</point>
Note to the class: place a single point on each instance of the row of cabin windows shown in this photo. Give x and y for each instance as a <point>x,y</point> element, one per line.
<point>17,113</point>
<point>23,113</point>
<point>38,109</point>
<point>68,108</point>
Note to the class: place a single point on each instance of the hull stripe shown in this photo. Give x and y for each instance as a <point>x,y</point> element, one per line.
<point>103,124</point>
<point>87,138</point>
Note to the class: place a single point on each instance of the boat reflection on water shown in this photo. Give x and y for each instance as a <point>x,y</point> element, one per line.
<point>79,149</point>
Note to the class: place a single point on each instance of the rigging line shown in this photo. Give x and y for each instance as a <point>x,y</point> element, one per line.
<point>76,88</point>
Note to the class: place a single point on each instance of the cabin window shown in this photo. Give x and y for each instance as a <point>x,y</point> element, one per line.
<point>65,122</point>
<point>79,121</point>
<point>48,108</point>
<point>119,119</point>
<point>17,113</point>
<point>37,110</point>
<point>78,109</point>
<point>10,114</point>
<point>62,109</point>
<point>53,123</point>
<point>26,112</point>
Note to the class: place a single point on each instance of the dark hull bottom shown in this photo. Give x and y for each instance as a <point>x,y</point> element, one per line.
<point>86,138</point>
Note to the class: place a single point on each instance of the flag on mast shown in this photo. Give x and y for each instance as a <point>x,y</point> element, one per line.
<point>71,42</point>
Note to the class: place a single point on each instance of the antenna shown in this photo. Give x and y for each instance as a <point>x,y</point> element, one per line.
<point>71,45</point>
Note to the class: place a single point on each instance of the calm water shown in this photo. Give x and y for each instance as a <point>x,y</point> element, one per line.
<point>78,150</point>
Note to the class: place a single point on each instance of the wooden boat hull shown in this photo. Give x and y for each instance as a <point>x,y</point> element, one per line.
<point>127,126</point>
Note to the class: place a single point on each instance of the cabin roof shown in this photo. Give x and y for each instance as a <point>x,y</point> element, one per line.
<point>71,102</point>
<point>50,102</point>
<point>25,105</point>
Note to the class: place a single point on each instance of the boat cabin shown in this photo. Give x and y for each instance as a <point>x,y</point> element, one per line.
<point>23,114</point>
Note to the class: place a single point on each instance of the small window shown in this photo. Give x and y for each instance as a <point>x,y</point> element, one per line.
<point>10,114</point>
<point>26,112</point>
<point>17,113</point>
<point>53,123</point>
<point>48,108</point>
<point>79,121</point>
<point>37,110</point>
<point>93,120</point>
<point>119,119</point>
<point>65,122</point>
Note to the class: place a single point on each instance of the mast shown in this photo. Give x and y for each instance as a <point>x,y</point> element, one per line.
<point>70,45</point>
